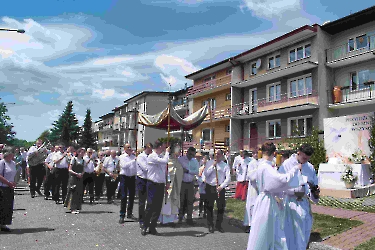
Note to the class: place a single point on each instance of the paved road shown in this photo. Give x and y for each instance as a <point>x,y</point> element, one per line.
<point>40,224</point>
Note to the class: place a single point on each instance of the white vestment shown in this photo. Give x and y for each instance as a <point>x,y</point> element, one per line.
<point>169,211</point>
<point>252,192</point>
<point>267,231</point>
<point>298,215</point>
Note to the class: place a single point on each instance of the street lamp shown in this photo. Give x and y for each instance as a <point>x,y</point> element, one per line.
<point>16,30</point>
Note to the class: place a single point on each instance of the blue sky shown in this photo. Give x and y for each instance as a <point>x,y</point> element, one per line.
<point>101,53</point>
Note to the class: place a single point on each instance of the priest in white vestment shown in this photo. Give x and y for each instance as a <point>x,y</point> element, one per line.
<point>267,220</point>
<point>298,215</point>
<point>252,193</point>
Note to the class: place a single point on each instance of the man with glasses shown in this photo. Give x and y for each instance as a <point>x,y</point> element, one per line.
<point>89,175</point>
<point>190,167</point>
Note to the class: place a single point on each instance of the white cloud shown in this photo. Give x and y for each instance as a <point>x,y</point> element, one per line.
<point>271,8</point>
<point>28,99</point>
<point>109,93</point>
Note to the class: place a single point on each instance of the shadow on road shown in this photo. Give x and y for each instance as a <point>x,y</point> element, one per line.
<point>96,212</point>
<point>29,230</point>
<point>191,233</point>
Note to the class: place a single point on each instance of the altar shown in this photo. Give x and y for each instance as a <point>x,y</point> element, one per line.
<point>329,175</point>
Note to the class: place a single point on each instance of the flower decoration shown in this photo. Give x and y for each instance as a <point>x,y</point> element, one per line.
<point>348,176</point>
<point>357,156</point>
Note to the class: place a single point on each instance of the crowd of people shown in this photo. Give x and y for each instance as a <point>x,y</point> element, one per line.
<point>276,191</point>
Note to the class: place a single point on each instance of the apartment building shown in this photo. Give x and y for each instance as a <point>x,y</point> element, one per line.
<point>288,85</point>
<point>212,87</point>
<point>106,137</point>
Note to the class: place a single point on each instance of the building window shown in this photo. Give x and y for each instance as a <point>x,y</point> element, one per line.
<point>226,141</point>
<point>300,126</point>
<point>227,128</point>
<point>274,62</point>
<point>359,78</point>
<point>228,97</point>
<point>209,78</point>
<point>274,92</point>
<point>229,72</point>
<point>207,102</point>
<point>274,129</point>
<point>300,53</point>
<point>206,134</point>
<point>253,69</point>
<point>358,43</point>
<point>300,86</point>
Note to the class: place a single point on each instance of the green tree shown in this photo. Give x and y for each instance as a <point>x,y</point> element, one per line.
<point>6,133</point>
<point>65,130</point>
<point>45,135</point>
<point>173,141</point>
<point>87,139</point>
<point>21,143</point>
<point>371,143</point>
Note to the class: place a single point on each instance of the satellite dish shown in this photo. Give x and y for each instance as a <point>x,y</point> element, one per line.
<point>258,63</point>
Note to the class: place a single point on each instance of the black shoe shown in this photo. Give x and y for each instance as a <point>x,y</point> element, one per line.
<point>154,232</point>
<point>32,195</point>
<point>57,202</point>
<point>131,217</point>
<point>211,229</point>
<point>45,197</point>
<point>122,220</point>
<point>220,229</point>
<point>143,231</point>
<point>5,229</point>
<point>247,230</point>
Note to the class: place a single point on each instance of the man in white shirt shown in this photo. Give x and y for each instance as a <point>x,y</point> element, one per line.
<point>236,161</point>
<point>128,171</point>
<point>100,175</point>
<point>36,172</point>
<point>142,181</point>
<point>89,174</point>
<point>156,174</point>
<point>190,167</point>
<point>50,177</point>
<point>217,176</point>
<point>61,174</point>
<point>241,172</point>
<point>111,167</point>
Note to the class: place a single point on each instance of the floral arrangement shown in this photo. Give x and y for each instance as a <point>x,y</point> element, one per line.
<point>357,156</point>
<point>348,176</point>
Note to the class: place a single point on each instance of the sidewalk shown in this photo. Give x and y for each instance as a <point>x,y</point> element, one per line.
<point>40,224</point>
<point>352,237</point>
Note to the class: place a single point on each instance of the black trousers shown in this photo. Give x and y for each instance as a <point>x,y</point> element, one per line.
<point>49,183</point>
<point>88,179</point>
<point>61,180</point>
<point>37,174</point>
<point>6,205</point>
<point>111,187</point>
<point>99,181</point>
<point>155,198</point>
<point>186,200</point>
<point>127,184</point>
<point>211,197</point>
<point>202,204</point>
<point>142,197</point>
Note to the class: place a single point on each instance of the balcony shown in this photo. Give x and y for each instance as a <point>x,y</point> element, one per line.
<point>277,73</point>
<point>352,98</point>
<point>180,104</point>
<point>344,54</point>
<point>284,104</point>
<point>219,113</point>
<point>209,87</point>
<point>253,144</point>
<point>107,127</point>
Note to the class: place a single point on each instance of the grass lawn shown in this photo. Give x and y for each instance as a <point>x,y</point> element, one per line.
<point>369,245</point>
<point>324,225</point>
<point>350,204</point>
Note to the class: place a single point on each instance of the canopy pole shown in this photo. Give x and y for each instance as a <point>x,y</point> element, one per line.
<point>168,137</point>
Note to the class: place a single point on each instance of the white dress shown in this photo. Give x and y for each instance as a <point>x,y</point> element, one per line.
<point>252,192</point>
<point>267,221</point>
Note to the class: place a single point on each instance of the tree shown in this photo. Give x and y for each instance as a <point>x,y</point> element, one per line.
<point>6,133</point>
<point>87,139</point>
<point>371,143</point>
<point>173,141</point>
<point>18,143</point>
<point>45,135</point>
<point>65,130</point>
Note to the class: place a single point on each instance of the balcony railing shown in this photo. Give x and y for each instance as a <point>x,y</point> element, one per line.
<point>282,101</point>
<point>209,85</point>
<point>344,50</point>
<point>253,144</point>
<point>350,96</point>
<point>219,113</point>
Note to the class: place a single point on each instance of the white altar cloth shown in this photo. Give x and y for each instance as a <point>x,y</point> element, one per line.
<point>329,175</point>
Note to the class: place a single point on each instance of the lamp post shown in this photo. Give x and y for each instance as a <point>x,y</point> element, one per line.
<point>15,30</point>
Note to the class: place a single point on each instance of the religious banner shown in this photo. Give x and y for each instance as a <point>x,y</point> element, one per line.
<point>347,135</point>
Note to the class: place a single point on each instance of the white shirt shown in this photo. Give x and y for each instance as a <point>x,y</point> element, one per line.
<point>128,164</point>
<point>8,171</point>
<point>157,166</point>
<point>32,149</point>
<point>61,164</point>
<point>142,165</point>
<point>236,161</point>
<point>241,168</point>
<point>110,164</point>
<point>223,173</point>
<point>89,164</point>
<point>49,157</point>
